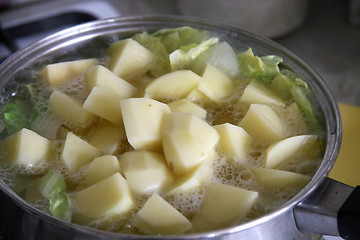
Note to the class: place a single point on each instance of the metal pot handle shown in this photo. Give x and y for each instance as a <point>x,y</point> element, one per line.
<point>332,209</point>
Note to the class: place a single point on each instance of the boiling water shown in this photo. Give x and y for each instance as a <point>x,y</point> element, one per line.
<point>225,169</point>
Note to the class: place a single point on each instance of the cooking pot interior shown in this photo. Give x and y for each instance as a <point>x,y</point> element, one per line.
<point>91,41</point>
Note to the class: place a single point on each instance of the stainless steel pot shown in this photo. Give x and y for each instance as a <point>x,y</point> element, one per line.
<point>313,211</point>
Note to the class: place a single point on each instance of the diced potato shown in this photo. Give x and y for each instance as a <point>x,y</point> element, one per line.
<point>256,92</point>
<point>234,140</point>
<point>223,205</point>
<point>262,122</point>
<point>158,217</point>
<point>187,141</point>
<point>197,96</point>
<point>128,57</point>
<point>143,119</point>
<point>146,171</point>
<point>111,196</point>
<point>186,106</point>
<point>99,75</point>
<point>275,177</point>
<point>105,103</point>
<point>193,179</point>
<point>279,152</point>
<point>106,137</point>
<point>70,109</point>
<point>58,73</point>
<point>174,85</point>
<point>215,84</point>
<point>99,169</point>
<point>77,152</point>
<point>26,148</point>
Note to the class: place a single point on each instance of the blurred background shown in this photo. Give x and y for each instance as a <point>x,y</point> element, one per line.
<point>324,33</point>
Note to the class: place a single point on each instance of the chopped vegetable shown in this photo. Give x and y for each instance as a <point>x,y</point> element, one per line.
<point>287,83</point>
<point>16,115</point>
<point>264,68</point>
<point>183,58</point>
<point>162,137</point>
<point>52,186</point>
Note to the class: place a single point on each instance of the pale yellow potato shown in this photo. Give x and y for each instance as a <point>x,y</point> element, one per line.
<point>275,177</point>
<point>58,73</point>
<point>215,84</point>
<point>197,96</point>
<point>128,57</point>
<point>187,141</point>
<point>174,85</point>
<point>193,179</point>
<point>280,152</point>
<point>234,140</point>
<point>27,148</point>
<point>109,197</point>
<point>146,172</point>
<point>105,103</point>
<point>99,169</point>
<point>158,217</point>
<point>99,75</point>
<point>77,152</point>
<point>262,122</point>
<point>143,119</point>
<point>70,109</point>
<point>106,137</point>
<point>186,106</point>
<point>256,92</point>
<point>223,205</point>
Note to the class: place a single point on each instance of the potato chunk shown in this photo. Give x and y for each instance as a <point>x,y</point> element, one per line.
<point>196,96</point>
<point>186,106</point>
<point>58,73</point>
<point>256,92</point>
<point>262,122</point>
<point>187,141</point>
<point>99,169</point>
<point>27,148</point>
<point>105,103</point>
<point>143,119</point>
<point>234,140</point>
<point>215,84</point>
<point>158,217</point>
<point>70,109</point>
<point>111,196</point>
<point>274,177</point>
<point>106,137</point>
<point>128,57</point>
<point>279,152</point>
<point>193,179</point>
<point>174,85</point>
<point>222,206</point>
<point>146,171</point>
<point>99,75</point>
<point>77,152</point>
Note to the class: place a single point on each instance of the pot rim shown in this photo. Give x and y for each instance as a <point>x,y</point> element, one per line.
<point>142,23</point>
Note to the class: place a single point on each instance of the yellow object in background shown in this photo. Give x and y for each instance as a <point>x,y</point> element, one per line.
<point>347,166</point>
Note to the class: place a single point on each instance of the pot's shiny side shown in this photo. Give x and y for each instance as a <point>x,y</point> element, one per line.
<point>30,223</point>
<point>18,223</point>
